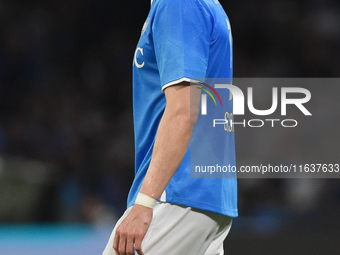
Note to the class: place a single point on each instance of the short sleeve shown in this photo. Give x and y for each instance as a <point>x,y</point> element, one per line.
<point>181,32</point>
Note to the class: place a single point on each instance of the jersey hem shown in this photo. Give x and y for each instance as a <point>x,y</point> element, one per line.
<point>203,206</point>
<point>199,205</point>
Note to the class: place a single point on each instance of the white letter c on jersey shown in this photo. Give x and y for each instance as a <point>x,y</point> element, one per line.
<point>135,60</point>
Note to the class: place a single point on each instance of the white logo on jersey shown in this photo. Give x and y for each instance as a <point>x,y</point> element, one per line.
<point>216,1</point>
<point>146,23</point>
<point>135,57</point>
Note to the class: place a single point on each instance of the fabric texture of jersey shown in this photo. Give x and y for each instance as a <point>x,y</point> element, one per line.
<point>181,40</point>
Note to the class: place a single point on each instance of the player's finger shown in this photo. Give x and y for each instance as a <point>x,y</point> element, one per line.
<point>138,245</point>
<point>129,245</point>
<point>116,242</point>
<point>122,243</point>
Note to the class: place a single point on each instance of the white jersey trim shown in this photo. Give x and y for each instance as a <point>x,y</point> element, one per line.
<point>179,81</point>
<point>163,196</point>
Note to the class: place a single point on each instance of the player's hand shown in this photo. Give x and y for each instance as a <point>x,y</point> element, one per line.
<point>130,233</point>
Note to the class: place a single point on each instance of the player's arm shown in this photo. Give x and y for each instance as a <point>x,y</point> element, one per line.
<point>172,137</point>
<point>172,140</point>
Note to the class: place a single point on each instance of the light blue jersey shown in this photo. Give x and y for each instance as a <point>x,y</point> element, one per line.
<point>181,40</point>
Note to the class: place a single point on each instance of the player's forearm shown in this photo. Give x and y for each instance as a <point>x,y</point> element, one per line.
<point>171,144</point>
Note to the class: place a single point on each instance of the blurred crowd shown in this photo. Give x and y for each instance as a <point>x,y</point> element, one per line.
<point>66,99</point>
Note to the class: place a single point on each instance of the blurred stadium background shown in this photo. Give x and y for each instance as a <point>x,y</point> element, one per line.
<point>66,137</point>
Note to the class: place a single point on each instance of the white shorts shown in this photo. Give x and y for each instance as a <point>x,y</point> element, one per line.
<point>180,230</point>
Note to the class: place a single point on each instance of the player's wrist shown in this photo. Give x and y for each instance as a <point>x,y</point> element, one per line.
<point>145,200</point>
